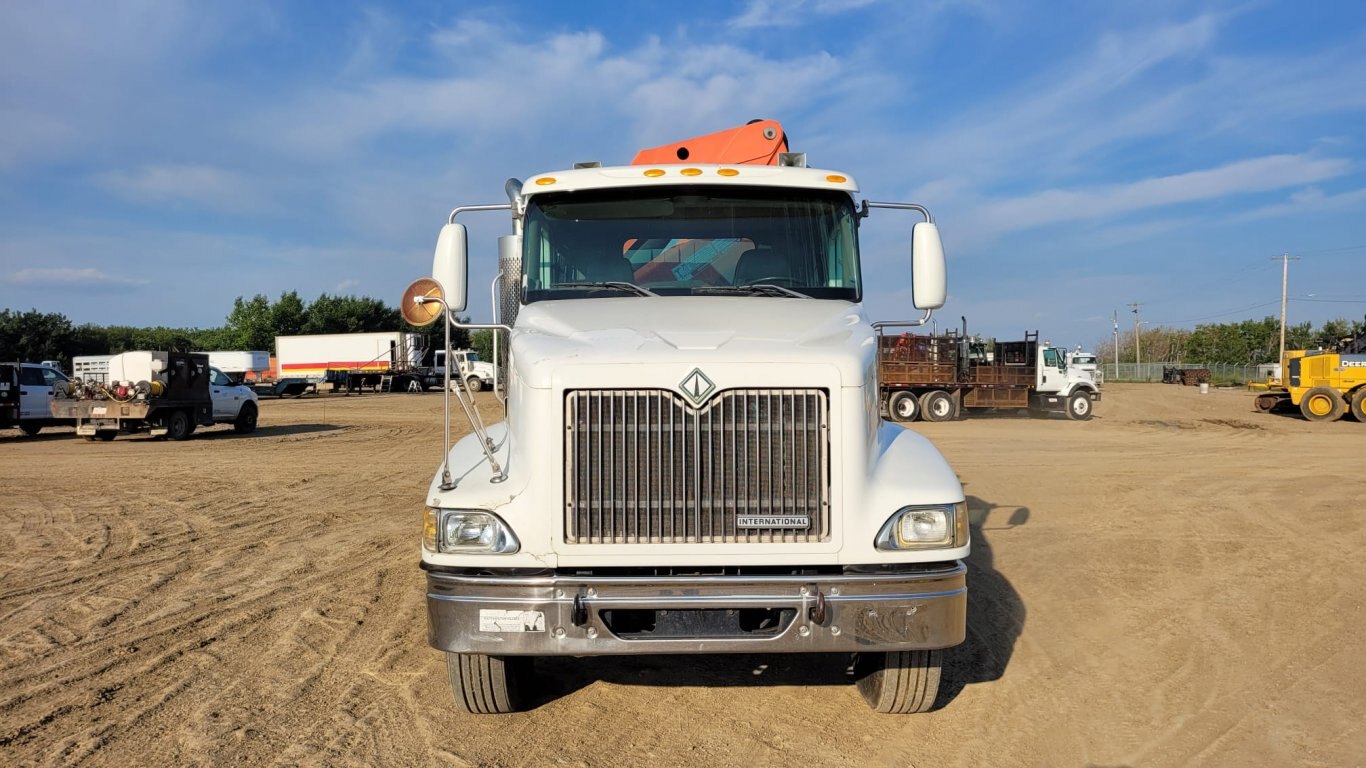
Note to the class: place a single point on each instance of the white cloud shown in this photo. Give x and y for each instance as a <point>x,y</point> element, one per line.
<point>70,277</point>
<point>200,185</point>
<point>791,13</point>
<point>1243,177</point>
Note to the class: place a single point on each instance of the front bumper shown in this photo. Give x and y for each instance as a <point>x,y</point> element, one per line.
<point>572,615</point>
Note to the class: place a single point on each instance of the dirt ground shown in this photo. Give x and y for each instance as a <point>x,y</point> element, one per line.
<point>1177,582</point>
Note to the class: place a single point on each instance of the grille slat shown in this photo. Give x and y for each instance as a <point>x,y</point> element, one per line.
<point>643,466</point>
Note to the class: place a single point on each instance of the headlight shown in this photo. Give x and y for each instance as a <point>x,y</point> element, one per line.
<point>932,527</point>
<point>466,531</point>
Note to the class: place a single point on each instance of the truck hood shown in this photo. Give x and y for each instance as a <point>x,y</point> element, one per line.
<point>646,330</point>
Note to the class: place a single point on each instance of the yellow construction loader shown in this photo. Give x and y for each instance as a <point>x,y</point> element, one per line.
<point>1323,384</point>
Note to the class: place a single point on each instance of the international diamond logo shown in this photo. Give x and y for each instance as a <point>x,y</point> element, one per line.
<point>697,387</point>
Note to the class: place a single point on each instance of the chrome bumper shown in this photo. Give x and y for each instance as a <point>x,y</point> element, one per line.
<point>566,615</point>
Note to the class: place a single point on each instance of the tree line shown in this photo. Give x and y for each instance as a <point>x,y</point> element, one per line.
<point>1248,342</point>
<point>251,324</point>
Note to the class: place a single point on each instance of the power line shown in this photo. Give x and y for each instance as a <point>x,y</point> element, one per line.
<point>1219,314</point>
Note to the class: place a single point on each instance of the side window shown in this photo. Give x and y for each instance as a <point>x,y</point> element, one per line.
<point>31,377</point>
<point>218,378</point>
<point>51,377</point>
<point>1050,357</point>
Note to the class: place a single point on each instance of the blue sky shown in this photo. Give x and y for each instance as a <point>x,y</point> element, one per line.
<point>159,159</point>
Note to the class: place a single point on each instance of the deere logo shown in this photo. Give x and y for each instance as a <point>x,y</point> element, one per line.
<point>696,386</point>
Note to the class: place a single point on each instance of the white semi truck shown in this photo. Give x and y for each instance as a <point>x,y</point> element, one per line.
<point>692,459</point>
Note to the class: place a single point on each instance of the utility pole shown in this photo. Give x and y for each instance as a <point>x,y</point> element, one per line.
<point>1285,260</point>
<point>1116,321</point>
<point>1135,306</point>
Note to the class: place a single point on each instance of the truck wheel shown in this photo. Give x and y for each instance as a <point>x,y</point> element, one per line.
<point>105,435</point>
<point>900,682</point>
<point>488,685</point>
<point>1079,406</point>
<point>903,406</point>
<point>246,419</point>
<point>1359,405</point>
<point>30,429</point>
<point>475,383</point>
<point>936,405</point>
<point>1322,404</point>
<point>178,425</point>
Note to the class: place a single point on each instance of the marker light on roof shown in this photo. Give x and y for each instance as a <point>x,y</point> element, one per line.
<point>545,181</point>
<point>654,173</point>
<point>691,171</point>
<point>836,178</point>
<point>727,172</point>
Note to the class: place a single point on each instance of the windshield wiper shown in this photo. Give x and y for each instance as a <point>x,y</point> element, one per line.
<point>760,289</point>
<point>611,285</point>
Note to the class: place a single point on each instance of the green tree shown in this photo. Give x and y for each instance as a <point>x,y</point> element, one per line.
<point>32,336</point>
<point>249,324</point>
<point>288,315</point>
<point>482,342</point>
<point>350,314</point>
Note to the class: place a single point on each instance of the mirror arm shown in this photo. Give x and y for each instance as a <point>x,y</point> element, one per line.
<point>879,325</point>
<point>863,210</point>
<point>473,208</point>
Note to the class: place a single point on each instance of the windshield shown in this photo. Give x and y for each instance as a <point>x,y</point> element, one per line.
<point>1084,360</point>
<point>680,241</point>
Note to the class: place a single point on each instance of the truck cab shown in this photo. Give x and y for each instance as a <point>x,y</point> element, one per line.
<point>26,396</point>
<point>1063,385</point>
<point>691,458</point>
<point>477,374</point>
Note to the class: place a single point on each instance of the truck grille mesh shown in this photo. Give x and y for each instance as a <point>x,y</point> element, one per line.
<point>643,466</point>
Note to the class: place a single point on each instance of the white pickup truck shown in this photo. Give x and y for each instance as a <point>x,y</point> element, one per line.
<point>26,396</point>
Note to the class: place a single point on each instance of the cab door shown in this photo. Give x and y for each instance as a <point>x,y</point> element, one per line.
<point>35,391</point>
<point>1052,375</point>
<point>226,397</point>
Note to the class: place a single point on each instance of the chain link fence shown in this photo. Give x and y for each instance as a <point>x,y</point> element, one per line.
<point>1220,373</point>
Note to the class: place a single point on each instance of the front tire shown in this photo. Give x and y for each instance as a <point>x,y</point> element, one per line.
<point>903,406</point>
<point>1322,404</point>
<point>475,383</point>
<point>1359,405</point>
<point>936,405</point>
<point>488,685</point>
<point>900,682</point>
<point>246,419</point>
<point>1079,406</point>
<point>30,429</point>
<point>178,426</point>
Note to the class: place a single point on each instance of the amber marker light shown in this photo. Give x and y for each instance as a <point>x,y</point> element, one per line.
<point>545,181</point>
<point>727,172</point>
<point>654,173</point>
<point>691,171</point>
<point>835,178</point>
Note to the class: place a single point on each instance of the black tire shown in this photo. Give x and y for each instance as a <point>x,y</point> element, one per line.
<point>30,429</point>
<point>475,383</point>
<point>899,682</point>
<point>1358,405</point>
<point>1322,404</point>
<point>488,685</point>
<point>179,426</point>
<point>105,435</point>
<point>1079,406</point>
<point>936,405</point>
<point>245,423</point>
<point>903,406</point>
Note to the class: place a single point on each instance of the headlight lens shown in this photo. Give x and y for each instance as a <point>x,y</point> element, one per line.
<point>929,527</point>
<point>465,531</point>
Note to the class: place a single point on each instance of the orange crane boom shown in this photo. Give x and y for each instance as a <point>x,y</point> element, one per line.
<point>758,142</point>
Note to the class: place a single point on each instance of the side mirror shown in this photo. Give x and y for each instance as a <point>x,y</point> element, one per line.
<point>929,278</point>
<point>450,265</point>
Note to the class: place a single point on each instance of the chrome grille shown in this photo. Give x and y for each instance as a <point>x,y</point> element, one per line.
<point>643,466</point>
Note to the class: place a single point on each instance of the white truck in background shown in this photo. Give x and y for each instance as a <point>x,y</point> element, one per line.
<point>237,364</point>
<point>692,459</point>
<point>26,396</point>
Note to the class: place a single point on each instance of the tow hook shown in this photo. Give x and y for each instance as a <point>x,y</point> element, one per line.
<point>580,614</point>
<point>817,611</point>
